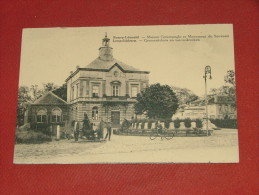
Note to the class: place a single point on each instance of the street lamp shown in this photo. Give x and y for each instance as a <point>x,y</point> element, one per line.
<point>207,75</point>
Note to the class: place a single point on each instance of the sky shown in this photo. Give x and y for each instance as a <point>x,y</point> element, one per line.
<point>49,54</point>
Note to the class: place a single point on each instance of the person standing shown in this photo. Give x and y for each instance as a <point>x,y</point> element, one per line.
<point>109,131</point>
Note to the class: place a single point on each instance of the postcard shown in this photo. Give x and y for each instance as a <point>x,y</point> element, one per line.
<point>127,94</point>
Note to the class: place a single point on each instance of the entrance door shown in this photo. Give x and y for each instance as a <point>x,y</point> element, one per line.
<point>115,118</point>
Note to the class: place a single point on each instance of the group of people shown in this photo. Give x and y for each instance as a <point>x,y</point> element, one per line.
<point>88,132</point>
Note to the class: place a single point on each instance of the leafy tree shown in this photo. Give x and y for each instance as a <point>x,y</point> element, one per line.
<point>49,87</point>
<point>230,78</point>
<point>229,89</point>
<point>157,101</point>
<point>24,94</point>
<point>61,92</point>
<point>35,92</point>
<point>185,96</point>
<point>23,98</point>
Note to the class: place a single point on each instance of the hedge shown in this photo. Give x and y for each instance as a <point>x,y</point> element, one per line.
<point>225,123</point>
<point>221,123</point>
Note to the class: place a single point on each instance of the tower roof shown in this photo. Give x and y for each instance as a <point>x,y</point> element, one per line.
<point>100,64</point>
<point>105,61</point>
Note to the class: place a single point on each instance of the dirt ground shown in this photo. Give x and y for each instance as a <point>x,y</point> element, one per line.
<point>221,147</point>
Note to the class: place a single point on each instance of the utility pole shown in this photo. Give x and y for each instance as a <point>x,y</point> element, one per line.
<point>207,74</point>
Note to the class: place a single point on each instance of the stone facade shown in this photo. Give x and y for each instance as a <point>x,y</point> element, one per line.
<point>104,89</point>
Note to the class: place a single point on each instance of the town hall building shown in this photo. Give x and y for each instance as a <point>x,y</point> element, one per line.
<point>106,89</point>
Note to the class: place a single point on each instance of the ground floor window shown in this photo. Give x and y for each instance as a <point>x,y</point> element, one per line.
<point>41,116</point>
<point>95,113</point>
<point>56,115</point>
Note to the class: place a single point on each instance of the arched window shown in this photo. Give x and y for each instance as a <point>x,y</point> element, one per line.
<point>42,116</point>
<point>95,113</point>
<point>56,115</point>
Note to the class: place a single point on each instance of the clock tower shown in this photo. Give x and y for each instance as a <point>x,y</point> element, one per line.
<point>105,52</point>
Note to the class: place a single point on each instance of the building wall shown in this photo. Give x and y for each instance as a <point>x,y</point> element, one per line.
<point>78,110</point>
<point>81,84</point>
<point>32,112</point>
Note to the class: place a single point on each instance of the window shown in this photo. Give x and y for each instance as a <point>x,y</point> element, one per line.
<point>56,115</point>
<point>134,91</point>
<point>95,90</point>
<point>42,116</point>
<point>95,113</point>
<point>115,90</point>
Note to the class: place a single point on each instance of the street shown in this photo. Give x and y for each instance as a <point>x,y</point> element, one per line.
<point>222,147</point>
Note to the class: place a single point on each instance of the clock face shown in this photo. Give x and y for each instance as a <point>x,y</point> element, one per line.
<point>116,73</point>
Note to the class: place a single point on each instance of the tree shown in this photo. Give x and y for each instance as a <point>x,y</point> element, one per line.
<point>61,92</point>
<point>229,89</point>
<point>230,78</point>
<point>157,101</point>
<point>49,87</point>
<point>23,98</point>
<point>185,96</point>
<point>35,92</point>
<point>86,124</point>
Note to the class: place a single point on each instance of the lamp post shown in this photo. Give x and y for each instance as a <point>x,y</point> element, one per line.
<point>207,75</point>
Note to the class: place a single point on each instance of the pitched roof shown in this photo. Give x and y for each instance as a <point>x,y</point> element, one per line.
<point>100,64</point>
<point>106,65</point>
<point>50,98</point>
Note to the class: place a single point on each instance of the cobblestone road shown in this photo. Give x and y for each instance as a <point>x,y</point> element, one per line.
<point>221,147</point>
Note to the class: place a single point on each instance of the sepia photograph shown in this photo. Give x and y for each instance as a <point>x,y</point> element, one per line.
<point>127,94</point>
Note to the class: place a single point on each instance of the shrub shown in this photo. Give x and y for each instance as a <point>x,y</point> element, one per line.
<point>125,125</point>
<point>198,123</point>
<point>187,122</point>
<point>225,123</point>
<point>177,123</point>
